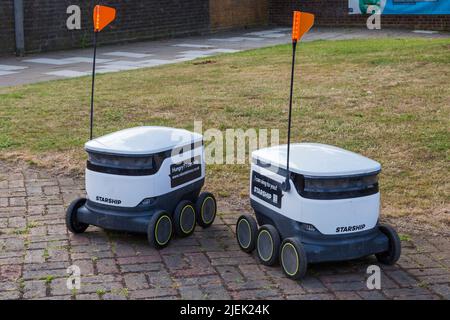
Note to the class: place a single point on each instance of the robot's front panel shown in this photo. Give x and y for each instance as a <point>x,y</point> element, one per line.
<point>333,206</point>
<point>127,181</point>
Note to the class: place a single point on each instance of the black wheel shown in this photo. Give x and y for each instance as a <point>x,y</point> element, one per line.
<point>184,218</point>
<point>159,231</point>
<point>206,209</point>
<point>293,258</point>
<point>268,245</point>
<point>72,222</point>
<point>246,230</point>
<point>392,255</point>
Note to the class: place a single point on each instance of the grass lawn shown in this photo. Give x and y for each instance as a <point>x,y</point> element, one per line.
<point>388,99</point>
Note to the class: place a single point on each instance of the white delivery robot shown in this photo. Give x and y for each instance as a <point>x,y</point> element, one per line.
<point>314,202</point>
<point>145,179</point>
<point>329,213</point>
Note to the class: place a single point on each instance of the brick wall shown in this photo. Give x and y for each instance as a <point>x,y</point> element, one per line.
<point>7,35</point>
<point>227,14</point>
<point>45,22</point>
<point>335,12</point>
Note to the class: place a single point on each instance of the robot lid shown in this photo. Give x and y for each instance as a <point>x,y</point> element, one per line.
<point>319,160</point>
<point>143,140</point>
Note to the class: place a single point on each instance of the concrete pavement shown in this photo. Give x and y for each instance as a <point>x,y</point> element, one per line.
<point>75,63</point>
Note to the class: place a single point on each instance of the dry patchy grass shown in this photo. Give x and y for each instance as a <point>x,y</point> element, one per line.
<point>388,99</point>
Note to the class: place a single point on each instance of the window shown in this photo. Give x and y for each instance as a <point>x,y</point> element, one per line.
<point>122,162</point>
<point>336,187</point>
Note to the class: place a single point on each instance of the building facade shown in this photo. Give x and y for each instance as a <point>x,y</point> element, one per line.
<point>336,13</point>
<point>40,25</point>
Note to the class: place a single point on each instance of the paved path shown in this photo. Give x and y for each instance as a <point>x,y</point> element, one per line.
<point>36,249</point>
<point>75,63</point>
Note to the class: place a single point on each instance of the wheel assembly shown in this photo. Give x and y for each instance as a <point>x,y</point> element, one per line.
<point>246,230</point>
<point>268,245</point>
<point>394,251</point>
<point>293,259</point>
<point>160,230</point>
<point>206,209</point>
<point>72,222</point>
<point>184,218</point>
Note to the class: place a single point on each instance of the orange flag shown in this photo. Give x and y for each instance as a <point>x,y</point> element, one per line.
<point>303,21</point>
<point>103,16</point>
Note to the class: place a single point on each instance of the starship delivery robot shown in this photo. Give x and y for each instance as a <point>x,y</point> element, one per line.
<point>329,213</point>
<point>145,180</point>
<point>313,202</point>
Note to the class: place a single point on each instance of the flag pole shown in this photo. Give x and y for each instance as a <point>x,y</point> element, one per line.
<point>93,87</point>
<point>102,16</point>
<point>286,185</point>
<point>301,24</point>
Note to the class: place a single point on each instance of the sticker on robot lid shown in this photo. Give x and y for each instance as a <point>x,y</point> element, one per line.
<point>183,172</point>
<point>266,189</point>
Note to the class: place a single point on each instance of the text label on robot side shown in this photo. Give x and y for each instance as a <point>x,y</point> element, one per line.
<point>185,171</point>
<point>108,200</point>
<point>266,189</point>
<point>350,228</point>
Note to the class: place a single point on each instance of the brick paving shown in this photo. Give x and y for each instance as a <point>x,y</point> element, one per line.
<point>36,249</point>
